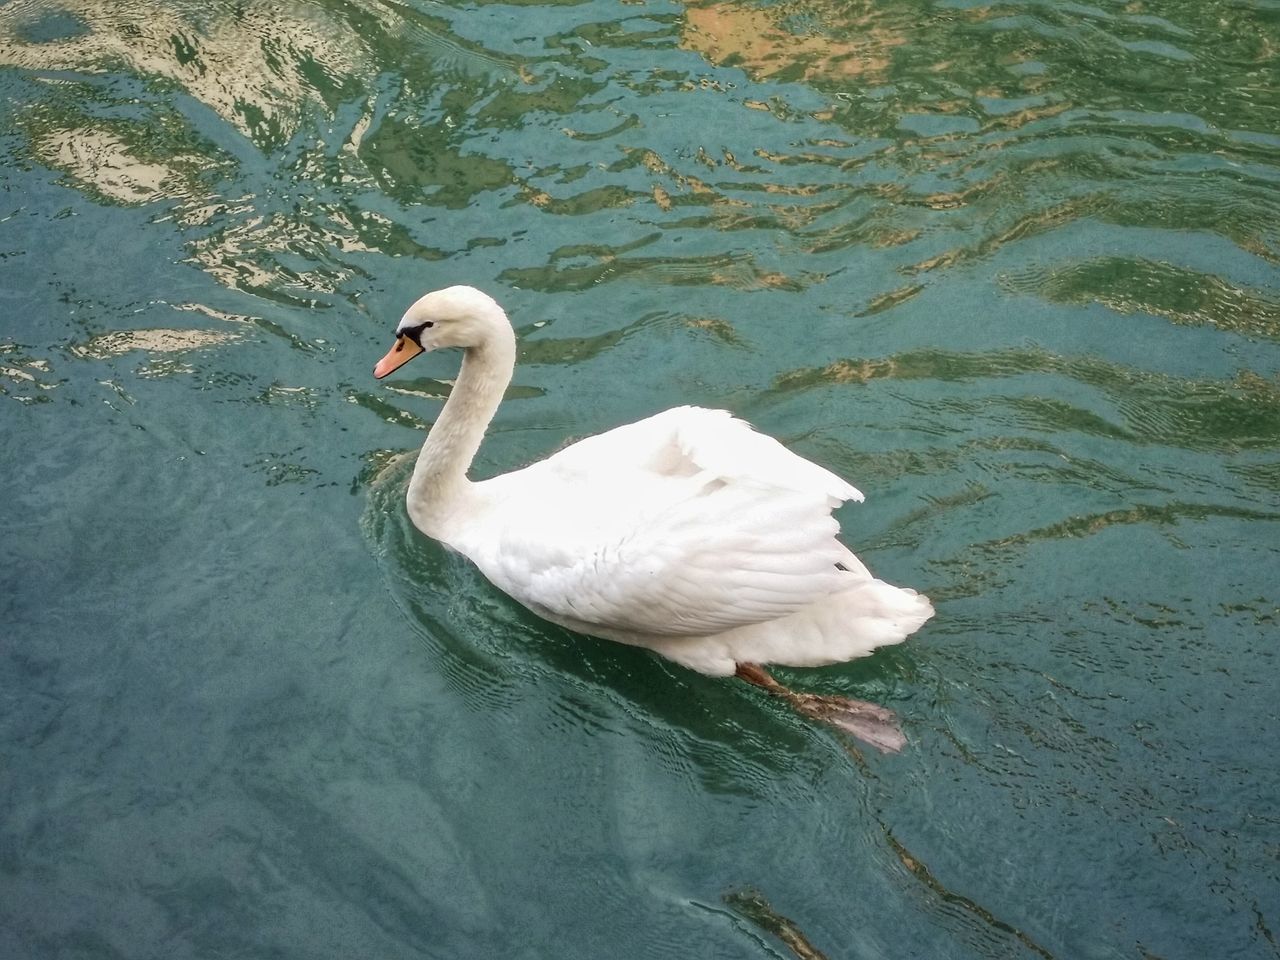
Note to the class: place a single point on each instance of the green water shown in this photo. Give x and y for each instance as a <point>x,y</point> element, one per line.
<point>1010,268</point>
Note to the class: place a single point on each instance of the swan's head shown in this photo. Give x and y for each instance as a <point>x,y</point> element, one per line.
<point>452,317</point>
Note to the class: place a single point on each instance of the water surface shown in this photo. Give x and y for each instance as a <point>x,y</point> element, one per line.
<point>1011,268</point>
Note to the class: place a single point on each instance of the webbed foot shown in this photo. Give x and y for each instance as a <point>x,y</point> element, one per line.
<point>869,722</point>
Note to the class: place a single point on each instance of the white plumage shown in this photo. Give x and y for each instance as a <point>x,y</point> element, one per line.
<point>688,532</point>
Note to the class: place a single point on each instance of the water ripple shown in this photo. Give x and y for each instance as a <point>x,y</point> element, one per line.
<point>1007,264</point>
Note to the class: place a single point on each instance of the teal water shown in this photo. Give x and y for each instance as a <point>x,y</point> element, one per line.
<point>1011,268</point>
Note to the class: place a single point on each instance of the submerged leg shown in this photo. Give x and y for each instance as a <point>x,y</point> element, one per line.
<point>868,722</point>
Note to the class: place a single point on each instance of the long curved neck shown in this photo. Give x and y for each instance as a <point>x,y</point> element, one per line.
<point>439,484</point>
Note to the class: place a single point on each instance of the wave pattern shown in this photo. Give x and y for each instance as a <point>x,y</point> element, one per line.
<point>1010,266</point>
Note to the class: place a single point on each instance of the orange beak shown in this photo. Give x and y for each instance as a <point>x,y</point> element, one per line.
<point>404,351</point>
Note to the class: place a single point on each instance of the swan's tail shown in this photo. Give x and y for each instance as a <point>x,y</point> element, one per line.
<point>852,623</point>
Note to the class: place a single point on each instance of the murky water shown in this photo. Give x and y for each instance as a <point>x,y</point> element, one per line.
<point>1011,268</point>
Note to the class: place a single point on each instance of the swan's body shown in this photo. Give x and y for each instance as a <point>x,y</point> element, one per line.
<point>687,533</point>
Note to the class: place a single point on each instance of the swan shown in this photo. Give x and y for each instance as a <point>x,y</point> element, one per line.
<point>687,533</point>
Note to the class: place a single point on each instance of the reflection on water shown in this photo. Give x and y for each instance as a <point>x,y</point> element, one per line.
<point>1009,267</point>
<point>908,143</point>
<point>812,42</point>
<point>254,64</point>
<point>152,341</point>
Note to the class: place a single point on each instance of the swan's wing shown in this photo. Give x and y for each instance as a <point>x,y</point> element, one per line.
<point>685,440</point>
<point>686,524</point>
<point>697,570</point>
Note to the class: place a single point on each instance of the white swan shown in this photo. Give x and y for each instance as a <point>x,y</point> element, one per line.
<point>687,533</point>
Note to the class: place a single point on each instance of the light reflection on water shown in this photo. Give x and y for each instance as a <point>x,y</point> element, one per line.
<point>1008,267</point>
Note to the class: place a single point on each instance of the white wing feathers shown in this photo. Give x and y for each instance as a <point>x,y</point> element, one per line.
<point>685,440</point>
<point>686,524</point>
<point>721,444</point>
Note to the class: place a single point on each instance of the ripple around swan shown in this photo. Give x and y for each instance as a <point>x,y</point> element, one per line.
<point>503,650</point>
